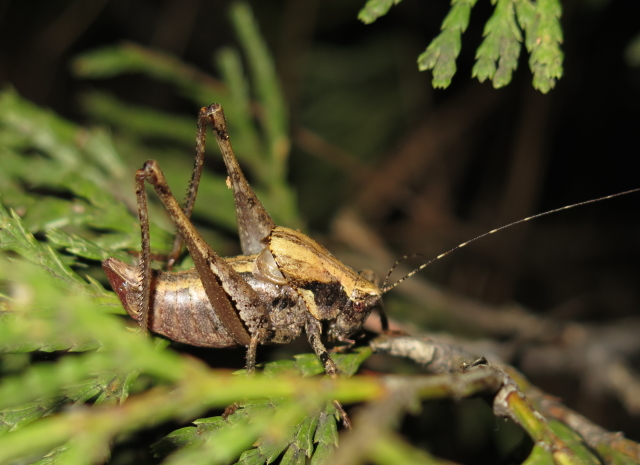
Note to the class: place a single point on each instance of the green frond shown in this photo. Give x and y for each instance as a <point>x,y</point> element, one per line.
<point>76,377</point>
<point>440,56</point>
<point>497,57</point>
<point>290,436</point>
<point>374,9</point>
<point>543,39</point>
<point>63,208</point>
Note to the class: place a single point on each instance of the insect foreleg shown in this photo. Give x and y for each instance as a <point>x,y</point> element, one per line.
<point>251,352</point>
<point>313,328</point>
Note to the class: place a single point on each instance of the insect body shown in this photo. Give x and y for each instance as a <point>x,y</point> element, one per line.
<point>285,282</point>
<point>180,309</point>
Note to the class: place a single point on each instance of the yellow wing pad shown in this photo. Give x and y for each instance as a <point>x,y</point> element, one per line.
<point>316,273</point>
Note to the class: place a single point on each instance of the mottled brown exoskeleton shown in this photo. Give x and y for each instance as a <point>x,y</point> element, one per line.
<point>285,281</point>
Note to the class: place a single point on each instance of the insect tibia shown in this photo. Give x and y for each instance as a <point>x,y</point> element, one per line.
<point>218,122</point>
<point>254,222</point>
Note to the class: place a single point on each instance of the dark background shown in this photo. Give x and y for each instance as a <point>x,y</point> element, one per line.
<point>425,169</point>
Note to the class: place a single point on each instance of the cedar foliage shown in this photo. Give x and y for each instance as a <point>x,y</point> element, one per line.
<point>75,380</point>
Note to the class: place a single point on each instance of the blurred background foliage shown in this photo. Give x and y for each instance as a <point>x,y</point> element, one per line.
<point>342,136</point>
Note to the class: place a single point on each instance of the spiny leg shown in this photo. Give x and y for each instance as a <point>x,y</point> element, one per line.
<point>201,137</point>
<point>343,415</point>
<point>218,278</point>
<point>251,353</point>
<point>145,254</point>
<point>313,328</point>
<point>254,222</point>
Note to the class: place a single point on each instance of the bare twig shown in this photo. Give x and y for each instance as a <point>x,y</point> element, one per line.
<point>513,397</point>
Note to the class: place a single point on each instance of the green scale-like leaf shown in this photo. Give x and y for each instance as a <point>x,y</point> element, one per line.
<point>109,388</point>
<point>315,436</point>
<point>15,237</point>
<point>541,22</point>
<point>497,56</point>
<point>440,56</point>
<point>374,9</point>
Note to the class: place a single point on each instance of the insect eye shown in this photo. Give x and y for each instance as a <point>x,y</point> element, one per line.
<point>358,305</point>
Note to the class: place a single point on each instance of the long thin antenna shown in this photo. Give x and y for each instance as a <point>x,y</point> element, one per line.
<point>400,260</point>
<point>424,265</point>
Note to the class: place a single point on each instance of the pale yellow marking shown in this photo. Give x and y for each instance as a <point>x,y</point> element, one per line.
<point>310,302</point>
<point>241,263</point>
<point>302,259</point>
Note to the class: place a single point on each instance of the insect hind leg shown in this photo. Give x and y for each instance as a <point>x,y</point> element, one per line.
<point>254,222</point>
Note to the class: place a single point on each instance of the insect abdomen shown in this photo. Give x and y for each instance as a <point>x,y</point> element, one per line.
<point>181,311</point>
<point>179,308</point>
